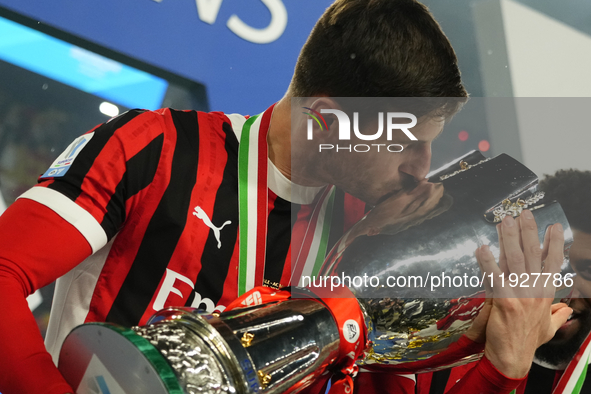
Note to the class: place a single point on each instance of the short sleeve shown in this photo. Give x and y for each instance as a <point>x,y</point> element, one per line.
<point>92,184</point>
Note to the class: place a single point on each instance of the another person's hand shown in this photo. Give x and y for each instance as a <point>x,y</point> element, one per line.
<point>520,318</point>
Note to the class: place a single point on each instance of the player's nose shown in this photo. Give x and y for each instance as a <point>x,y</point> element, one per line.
<point>418,162</point>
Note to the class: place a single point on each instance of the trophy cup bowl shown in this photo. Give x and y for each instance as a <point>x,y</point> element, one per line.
<point>442,290</point>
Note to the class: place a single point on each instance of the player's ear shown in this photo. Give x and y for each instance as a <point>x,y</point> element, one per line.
<point>326,125</point>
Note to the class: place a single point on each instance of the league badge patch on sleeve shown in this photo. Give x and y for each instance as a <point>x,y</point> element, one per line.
<point>62,164</point>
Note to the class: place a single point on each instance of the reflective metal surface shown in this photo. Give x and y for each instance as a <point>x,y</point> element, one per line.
<point>193,361</point>
<point>273,348</point>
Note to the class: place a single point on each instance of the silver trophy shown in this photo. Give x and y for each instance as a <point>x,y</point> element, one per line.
<point>441,293</point>
<point>285,346</point>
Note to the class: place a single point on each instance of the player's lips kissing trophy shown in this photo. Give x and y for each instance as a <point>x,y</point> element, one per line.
<point>384,317</point>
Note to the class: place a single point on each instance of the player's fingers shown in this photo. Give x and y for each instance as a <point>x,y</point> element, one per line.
<point>485,275</point>
<point>546,243</point>
<point>555,249</point>
<point>518,221</point>
<point>502,257</point>
<point>558,306</point>
<point>433,199</point>
<point>513,252</point>
<point>489,266</point>
<point>554,259</point>
<point>419,196</point>
<point>531,242</point>
<point>557,319</point>
<point>477,331</point>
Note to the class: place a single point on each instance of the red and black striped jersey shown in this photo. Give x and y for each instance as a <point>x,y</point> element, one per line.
<point>155,194</point>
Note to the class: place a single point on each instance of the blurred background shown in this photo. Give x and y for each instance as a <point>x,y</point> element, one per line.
<point>66,66</point>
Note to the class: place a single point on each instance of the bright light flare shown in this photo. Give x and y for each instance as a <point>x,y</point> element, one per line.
<point>109,109</point>
<point>484,145</point>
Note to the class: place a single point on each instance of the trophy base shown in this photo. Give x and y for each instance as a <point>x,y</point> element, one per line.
<point>275,348</point>
<point>106,359</point>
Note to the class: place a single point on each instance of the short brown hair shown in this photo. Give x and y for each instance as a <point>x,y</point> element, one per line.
<point>378,48</point>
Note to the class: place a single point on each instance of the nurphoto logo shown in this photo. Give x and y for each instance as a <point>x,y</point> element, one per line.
<point>392,124</point>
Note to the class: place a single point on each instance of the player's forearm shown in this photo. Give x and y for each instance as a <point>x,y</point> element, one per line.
<point>25,364</point>
<point>484,378</point>
<point>513,364</point>
<point>36,247</point>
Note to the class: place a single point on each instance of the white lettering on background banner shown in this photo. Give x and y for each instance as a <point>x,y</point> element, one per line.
<point>209,10</point>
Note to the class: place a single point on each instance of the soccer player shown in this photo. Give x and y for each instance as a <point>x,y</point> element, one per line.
<point>572,189</point>
<point>154,209</point>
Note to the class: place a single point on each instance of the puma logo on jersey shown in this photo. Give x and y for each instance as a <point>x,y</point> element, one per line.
<point>200,213</point>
